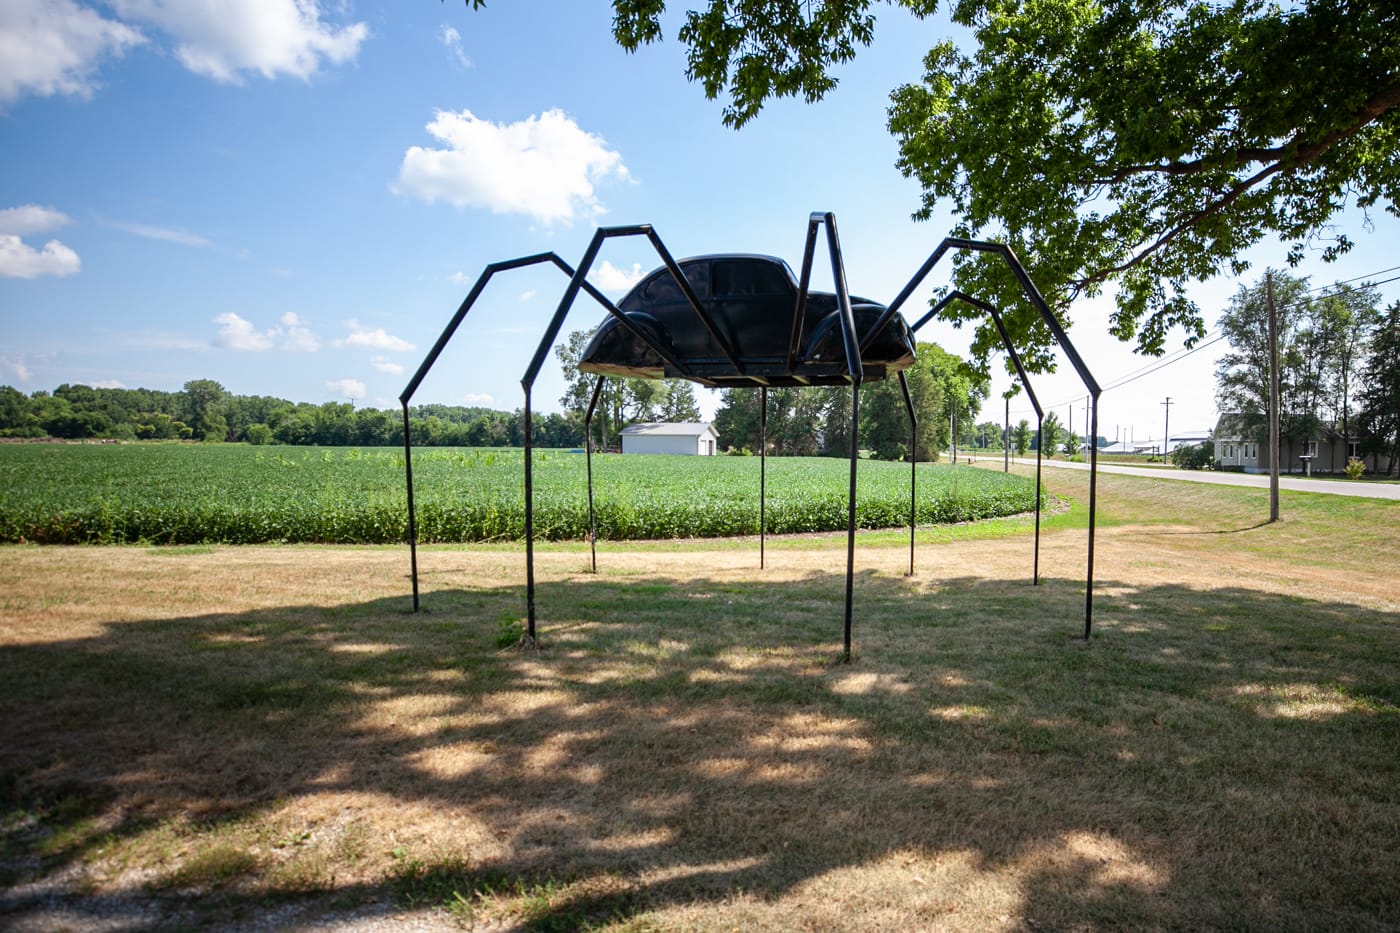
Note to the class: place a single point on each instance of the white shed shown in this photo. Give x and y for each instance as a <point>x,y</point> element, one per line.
<point>661,438</point>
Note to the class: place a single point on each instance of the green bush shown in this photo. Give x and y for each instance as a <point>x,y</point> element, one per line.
<point>1194,456</point>
<point>1355,468</point>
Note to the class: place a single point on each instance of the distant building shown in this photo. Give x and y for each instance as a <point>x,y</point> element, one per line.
<point>1238,447</point>
<point>662,438</point>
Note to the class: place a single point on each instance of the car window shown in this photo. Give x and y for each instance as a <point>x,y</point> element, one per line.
<point>735,277</point>
<point>663,288</point>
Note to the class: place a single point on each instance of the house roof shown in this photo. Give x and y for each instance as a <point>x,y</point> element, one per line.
<point>664,429</point>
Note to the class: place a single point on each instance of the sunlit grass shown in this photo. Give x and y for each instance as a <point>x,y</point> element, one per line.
<point>220,730</point>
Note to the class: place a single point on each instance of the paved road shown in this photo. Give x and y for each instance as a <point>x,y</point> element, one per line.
<point>1331,487</point>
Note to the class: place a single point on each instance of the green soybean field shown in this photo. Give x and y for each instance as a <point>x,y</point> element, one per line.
<point>235,494</point>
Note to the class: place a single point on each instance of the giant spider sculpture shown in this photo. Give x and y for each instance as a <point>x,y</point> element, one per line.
<point>745,321</point>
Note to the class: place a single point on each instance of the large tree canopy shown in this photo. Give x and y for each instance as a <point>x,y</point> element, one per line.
<point>1145,144</point>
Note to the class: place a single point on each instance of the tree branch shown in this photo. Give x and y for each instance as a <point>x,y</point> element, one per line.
<point>1293,153</point>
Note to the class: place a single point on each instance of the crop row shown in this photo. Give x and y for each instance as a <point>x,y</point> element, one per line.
<point>183,494</point>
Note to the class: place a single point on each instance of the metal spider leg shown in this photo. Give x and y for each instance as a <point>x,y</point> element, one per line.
<point>1037,300</point>
<point>762,474</point>
<point>588,454</point>
<point>577,282</point>
<point>855,372</point>
<point>431,358</point>
<point>913,463</point>
<point>1010,348</point>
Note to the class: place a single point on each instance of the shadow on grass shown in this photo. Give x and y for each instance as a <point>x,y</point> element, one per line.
<point>1222,758</point>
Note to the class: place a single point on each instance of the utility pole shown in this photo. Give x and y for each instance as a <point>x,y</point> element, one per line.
<point>1088,426</point>
<point>1273,398</point>
<point>1006,440</point>
<point>1166,433</point>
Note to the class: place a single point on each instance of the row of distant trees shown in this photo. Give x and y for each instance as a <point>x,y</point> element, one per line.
<point>1338,360</point>
<point>800,422</point>
<point>205,411</point>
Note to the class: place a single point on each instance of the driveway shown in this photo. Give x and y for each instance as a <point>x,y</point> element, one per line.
<point>1295,483</point>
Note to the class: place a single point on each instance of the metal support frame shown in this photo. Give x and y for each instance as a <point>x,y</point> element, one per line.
<point>913,463</point>
<point>852,348</point>
<point>855,373</point>
<point>1037,300</point>
<point>1010,348</point>
<point>588,454</point>
<point>762,476</point>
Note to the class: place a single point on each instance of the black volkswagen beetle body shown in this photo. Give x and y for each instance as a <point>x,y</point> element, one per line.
<point>753,304</point>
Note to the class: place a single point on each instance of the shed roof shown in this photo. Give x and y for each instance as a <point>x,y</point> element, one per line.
<point>662,428</point>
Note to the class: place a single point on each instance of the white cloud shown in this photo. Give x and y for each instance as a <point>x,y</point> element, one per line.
<point>350,388</point>
<point>459,278</point>
<point>296,336</point>
<point>610,278</point>
<point>291,334</point>
<point>544,166</point>
<point>52,47</point>
<point>18,260</point>
<point>376,338</point>
<point>386,365</point>
<point>527,295</point>
<point>479,399</point>
<point>224,39</point>
<point>167,234</point>
<point>109,384</point>
<point>31,218</point>
<point>453,40</point>
<point>16,368</point>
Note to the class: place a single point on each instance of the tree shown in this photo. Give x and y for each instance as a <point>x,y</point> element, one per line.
<point>737,420</point>
<point>1351,314</point>
<point>1317,343</point>
<point>1021,437</point>
<point>1147,144</point>
<point>1049,437</point>
<point>200,400</point>
<point>623,401</point>
<point>1194,456</point>
<point>1379,400</point>
<point>989,435</point>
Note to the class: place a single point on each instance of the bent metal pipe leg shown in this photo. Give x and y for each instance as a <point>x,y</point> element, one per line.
<point>1039,447</point>
<point>412,522</point>
<point>588,453</point>
<point>529,525</point>
<point>762,474</point>
<point>913,463</point>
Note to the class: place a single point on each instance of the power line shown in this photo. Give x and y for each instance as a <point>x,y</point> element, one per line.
<point>1211,339</point>
<point>1318,288</point>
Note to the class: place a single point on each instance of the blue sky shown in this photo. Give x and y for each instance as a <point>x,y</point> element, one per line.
<point>293,198</point>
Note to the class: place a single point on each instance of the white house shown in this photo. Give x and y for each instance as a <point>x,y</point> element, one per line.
<point>661,438</point>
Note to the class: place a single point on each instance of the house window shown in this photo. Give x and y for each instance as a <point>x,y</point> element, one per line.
<point>1353,449</point>
<point>1250,451</point>
<point>1229,451</point>
<point>1310,449</point>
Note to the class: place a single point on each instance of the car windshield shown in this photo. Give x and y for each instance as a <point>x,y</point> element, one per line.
<point>751,277</point>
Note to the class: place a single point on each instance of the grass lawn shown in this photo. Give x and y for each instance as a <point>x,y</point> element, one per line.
<point>202,737</point>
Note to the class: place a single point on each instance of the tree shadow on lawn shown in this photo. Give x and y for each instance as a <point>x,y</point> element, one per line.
<point>1221,758</point>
